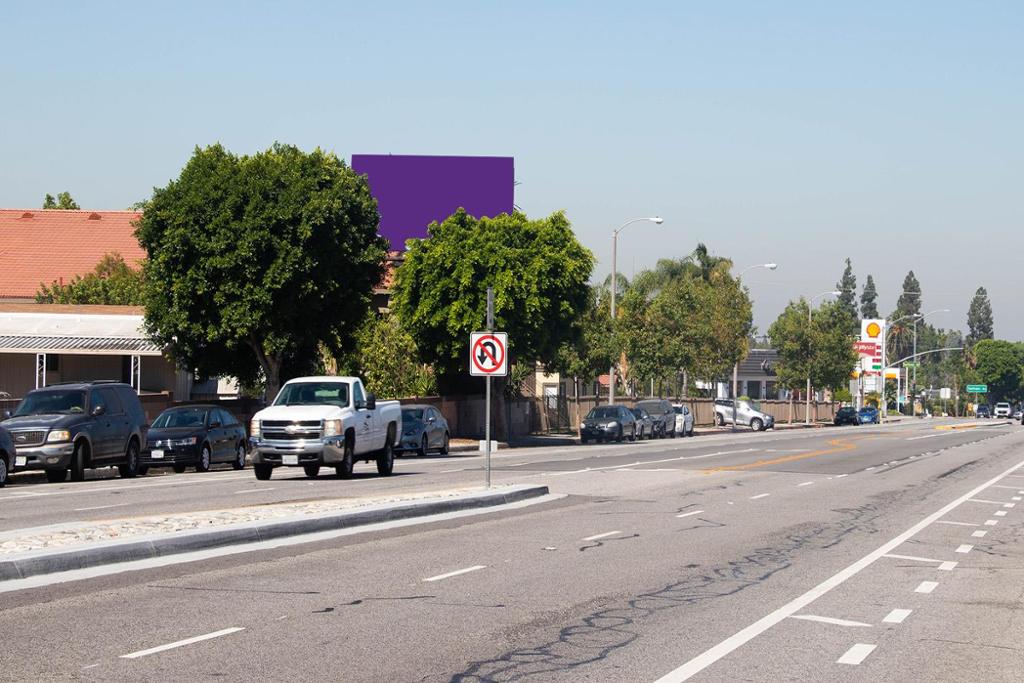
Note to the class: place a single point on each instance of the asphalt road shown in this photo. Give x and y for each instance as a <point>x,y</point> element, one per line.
<point>856,554</point>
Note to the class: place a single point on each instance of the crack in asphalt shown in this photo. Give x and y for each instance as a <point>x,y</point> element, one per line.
<point>598,544</point>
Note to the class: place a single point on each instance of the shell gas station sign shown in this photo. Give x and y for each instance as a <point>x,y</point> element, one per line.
<point>871,345</point>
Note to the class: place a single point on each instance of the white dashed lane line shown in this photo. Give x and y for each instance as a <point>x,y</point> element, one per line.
<point>690,514</point>
<point>457,572</point>
<point>991,522</point>
<point>965,548</point>
<point>979,534</point>
<point>942,521</point>
<point>181,643</point>
<point>831,620</point>
<point>896,616</point>
<point>760,495</point>
<point>926,587</point>
<point>604,535</point>
<point>856,654</point>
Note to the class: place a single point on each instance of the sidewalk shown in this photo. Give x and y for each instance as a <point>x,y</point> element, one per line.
<point>63,547</point>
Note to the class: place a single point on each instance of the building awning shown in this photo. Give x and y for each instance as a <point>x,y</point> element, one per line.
<point>102,346</point>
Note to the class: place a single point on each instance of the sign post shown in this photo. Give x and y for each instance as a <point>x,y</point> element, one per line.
<point>488,357</point>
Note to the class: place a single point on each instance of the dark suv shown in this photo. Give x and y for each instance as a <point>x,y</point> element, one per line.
<point>78,426</point>
<point>8,456</point>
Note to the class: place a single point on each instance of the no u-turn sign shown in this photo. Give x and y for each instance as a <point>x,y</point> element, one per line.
<point>488,354</point>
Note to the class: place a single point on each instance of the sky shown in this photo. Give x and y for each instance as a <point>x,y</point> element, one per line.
<point>801,133</point>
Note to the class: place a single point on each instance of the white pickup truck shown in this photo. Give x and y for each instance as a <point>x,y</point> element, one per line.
<point>316,421</point>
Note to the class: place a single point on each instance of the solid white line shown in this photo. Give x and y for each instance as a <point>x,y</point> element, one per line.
<point>1000,513</point>
<point>253,490</point>
<point>604,535</point>
<point>912,558</point>
<point>101,507</point>
<point>688,514</point>
<point>979,534</point>
<point>990,502</point>
<point>457,572</point>
<point>942,521</point>
<point>856,654</point>
<point>926,587</point>
<point>176,480</point>
<point>896,616</point>
<point>965,548</point>
<point>806,483</point>
<point>830,620</point>
<point>991,522</point>
<point>180,643</point>
<point>760,495</point>
<point>926,436</point>
<point>712,655</point>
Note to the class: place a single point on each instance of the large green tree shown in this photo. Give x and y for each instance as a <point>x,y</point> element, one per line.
<point>847,299</point>
<point>979,318</point>
<point>1000,365</point>
<point>539,272</point>
<point>869,299</point>
<point>387,359</point>
<point>63,201</point>
<point>113,283</point>
<point>258,262</point>
<point>820,348</point>
<point>901,330</point>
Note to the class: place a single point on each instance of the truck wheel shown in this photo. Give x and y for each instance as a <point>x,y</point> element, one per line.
<point>386,457</point>
<point>78,462</point>
<point>263,472</point>
<point>311,470</point>
<point>344,470</point>
<point>130,469</point>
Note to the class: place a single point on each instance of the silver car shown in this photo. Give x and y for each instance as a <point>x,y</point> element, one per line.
<point>423,429</point>
<point>684,419</point>
<point>747,414</point>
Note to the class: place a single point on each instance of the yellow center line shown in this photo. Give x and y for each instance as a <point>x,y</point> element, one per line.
<point>837,446</point>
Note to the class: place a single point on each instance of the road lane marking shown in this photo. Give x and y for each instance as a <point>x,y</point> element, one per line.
<point>252,491</point>
<point>942,521</point>
<point>806,483</point>
<point>965,548</point>
<point>943,566</point>
<point>1016,498</point>
<point>690,514</point>
<point>830,620</point>
<point>897,616</point>
<point>745,635</point>
<point>838,446</point>
<point>840,476</point>
<point>760,495</point>
<point>990,502</point>
<point>1009,505</point>
<point>181,643</point>
<point>1000,513</point>
<point>457,572</point>
<point>947,566</point>
<point>101,507</point>
<point>177,480</point>
<point>1000,486</point>
<point>856,654</point>
<point>926,436</point>
<point>991,522</point>
<point>650,462</point>
<point>604,535</point>
<point>926,587</point>
<point>979,534</point>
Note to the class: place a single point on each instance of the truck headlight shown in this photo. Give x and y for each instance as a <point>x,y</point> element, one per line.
<point>58,435</point>
<point>254,428</point>
<point>332,427</point>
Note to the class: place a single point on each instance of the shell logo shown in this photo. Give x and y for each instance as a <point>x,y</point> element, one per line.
<point>873,330</point>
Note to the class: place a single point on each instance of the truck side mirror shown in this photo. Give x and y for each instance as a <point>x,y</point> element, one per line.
<point>98,410</point>
<point>371,402</point>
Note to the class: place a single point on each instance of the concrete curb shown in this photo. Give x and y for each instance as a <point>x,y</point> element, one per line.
<point>33,564</point>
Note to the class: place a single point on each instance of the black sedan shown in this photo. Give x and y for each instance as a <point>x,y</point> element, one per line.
<point>608,423</point>
<point>423,429</point>
<point>198,436</point>
<point>846,416</point>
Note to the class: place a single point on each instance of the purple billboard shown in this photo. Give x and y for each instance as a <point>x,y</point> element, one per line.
<point>414,191</point>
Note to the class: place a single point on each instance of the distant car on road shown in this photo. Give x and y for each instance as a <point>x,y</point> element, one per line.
<point>78,426</point>
<point>196,436</point>
<point>645,423</point>
<point>982,411</point>
<point>663,415</point>
<point>747,414</point>
<point>608,423</point>
<point>846,416</point>
<point>423,429</point>
<point>1018,415</point>
<point>1003,410</point>
<point>869,415</point>
<point>684,419</point>
<point>8,456</point>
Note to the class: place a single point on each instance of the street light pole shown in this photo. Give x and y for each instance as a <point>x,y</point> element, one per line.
<point>736,366</point>
<point>913,386</point>
<point>615,285</point>
<point>807,397</point>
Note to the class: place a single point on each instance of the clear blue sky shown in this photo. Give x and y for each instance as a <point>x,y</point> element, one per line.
<point>797,132</point>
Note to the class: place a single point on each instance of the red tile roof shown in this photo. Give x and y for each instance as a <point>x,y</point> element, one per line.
<point>46,245</point>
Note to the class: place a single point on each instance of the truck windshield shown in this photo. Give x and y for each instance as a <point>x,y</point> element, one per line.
<point>313,393</point>
<point>52,403</point>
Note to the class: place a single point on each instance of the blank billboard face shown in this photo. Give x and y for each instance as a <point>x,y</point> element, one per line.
<point>414,191</point>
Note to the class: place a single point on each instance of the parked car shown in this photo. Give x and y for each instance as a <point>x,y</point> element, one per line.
<point>663,415</point>
<point>316,421</point>
<point>608,423</point>
<point>77,426</point>
<point>747,414</point>
<point>8,456</point>
<point>1003,410</point>
<point>869,415</point>
<point>644,422</point>
<point>684,419</point>
<point>982,411</point>
<point>1018,414</point>
<point>194,436</point>
<point>423,429</point>
<point>846,415</point>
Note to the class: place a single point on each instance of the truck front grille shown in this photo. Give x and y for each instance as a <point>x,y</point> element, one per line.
<point>286,430</point>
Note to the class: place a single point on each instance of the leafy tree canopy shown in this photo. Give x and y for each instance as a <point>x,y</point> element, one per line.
<point>979,318</point>
<point>256,262</point>
<point>387,359</point>
<point>113,283</point>
<point>847,286</point>
<point>821,348</point>
<point>869,299</point>
<point>1000,365</point>
<point>539,272</point>
<point>63,201</point>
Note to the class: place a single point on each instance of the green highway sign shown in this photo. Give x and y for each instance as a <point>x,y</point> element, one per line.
<point>977,388</point>
<point>913,364</point>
